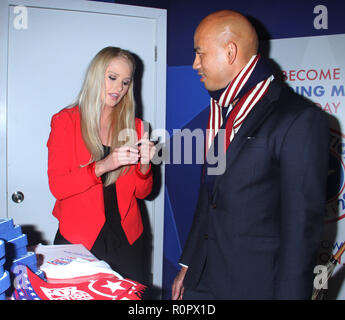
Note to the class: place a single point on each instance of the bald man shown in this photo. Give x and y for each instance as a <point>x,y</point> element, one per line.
<point>258,224</point>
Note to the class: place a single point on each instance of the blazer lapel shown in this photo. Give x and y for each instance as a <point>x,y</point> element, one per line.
<point>254,120</point>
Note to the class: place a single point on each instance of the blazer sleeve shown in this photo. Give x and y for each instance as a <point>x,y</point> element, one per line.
<point>143,182</point>
<point>304,167</point>
<point>66,178</point>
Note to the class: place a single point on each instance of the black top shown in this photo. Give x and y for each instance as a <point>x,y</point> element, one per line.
<point>112,235</point>
<point>111,244</point>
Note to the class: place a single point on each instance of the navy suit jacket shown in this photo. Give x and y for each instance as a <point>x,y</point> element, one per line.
<point>256,235</point>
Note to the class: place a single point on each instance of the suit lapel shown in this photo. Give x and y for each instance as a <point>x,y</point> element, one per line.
<point>254,120</point>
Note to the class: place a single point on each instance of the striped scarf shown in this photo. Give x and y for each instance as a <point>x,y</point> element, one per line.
<point>248,87</point>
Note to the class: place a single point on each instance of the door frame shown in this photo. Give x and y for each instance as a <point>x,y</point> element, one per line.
<point>160,16</point>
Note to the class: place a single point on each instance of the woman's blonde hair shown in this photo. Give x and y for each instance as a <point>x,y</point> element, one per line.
<point>90,106</point>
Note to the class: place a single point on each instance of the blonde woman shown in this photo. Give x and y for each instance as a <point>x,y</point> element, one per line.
<point>99,164</point>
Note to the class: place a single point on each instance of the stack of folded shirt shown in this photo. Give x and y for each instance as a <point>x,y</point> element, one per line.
<point>4,276</point>
<point>73,273</point>
<point>16,256</point>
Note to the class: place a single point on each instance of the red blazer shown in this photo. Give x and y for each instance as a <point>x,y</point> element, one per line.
<point>79,203</point>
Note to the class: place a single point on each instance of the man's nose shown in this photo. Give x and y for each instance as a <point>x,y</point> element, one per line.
<point>196,63</point>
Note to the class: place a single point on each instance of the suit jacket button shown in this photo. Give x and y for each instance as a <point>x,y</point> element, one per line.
<point>214,205</point>
<point>206,236</point>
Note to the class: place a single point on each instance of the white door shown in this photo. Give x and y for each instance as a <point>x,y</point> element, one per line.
<point>46,47</point>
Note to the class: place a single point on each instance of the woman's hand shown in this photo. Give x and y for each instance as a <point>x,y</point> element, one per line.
<point>119,157</point>
<point>127,155</point>
<point>147,150</point>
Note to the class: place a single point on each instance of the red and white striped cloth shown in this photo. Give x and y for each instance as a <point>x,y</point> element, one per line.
<point>241,108</point>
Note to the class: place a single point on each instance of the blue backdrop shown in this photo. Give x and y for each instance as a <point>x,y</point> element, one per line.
<point>187,100</point>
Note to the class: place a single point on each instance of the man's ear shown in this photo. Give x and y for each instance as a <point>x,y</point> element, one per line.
<point>231,52</point>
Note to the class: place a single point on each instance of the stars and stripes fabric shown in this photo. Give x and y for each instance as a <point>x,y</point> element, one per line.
<point>100,286</point>
<point>246,89</point>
